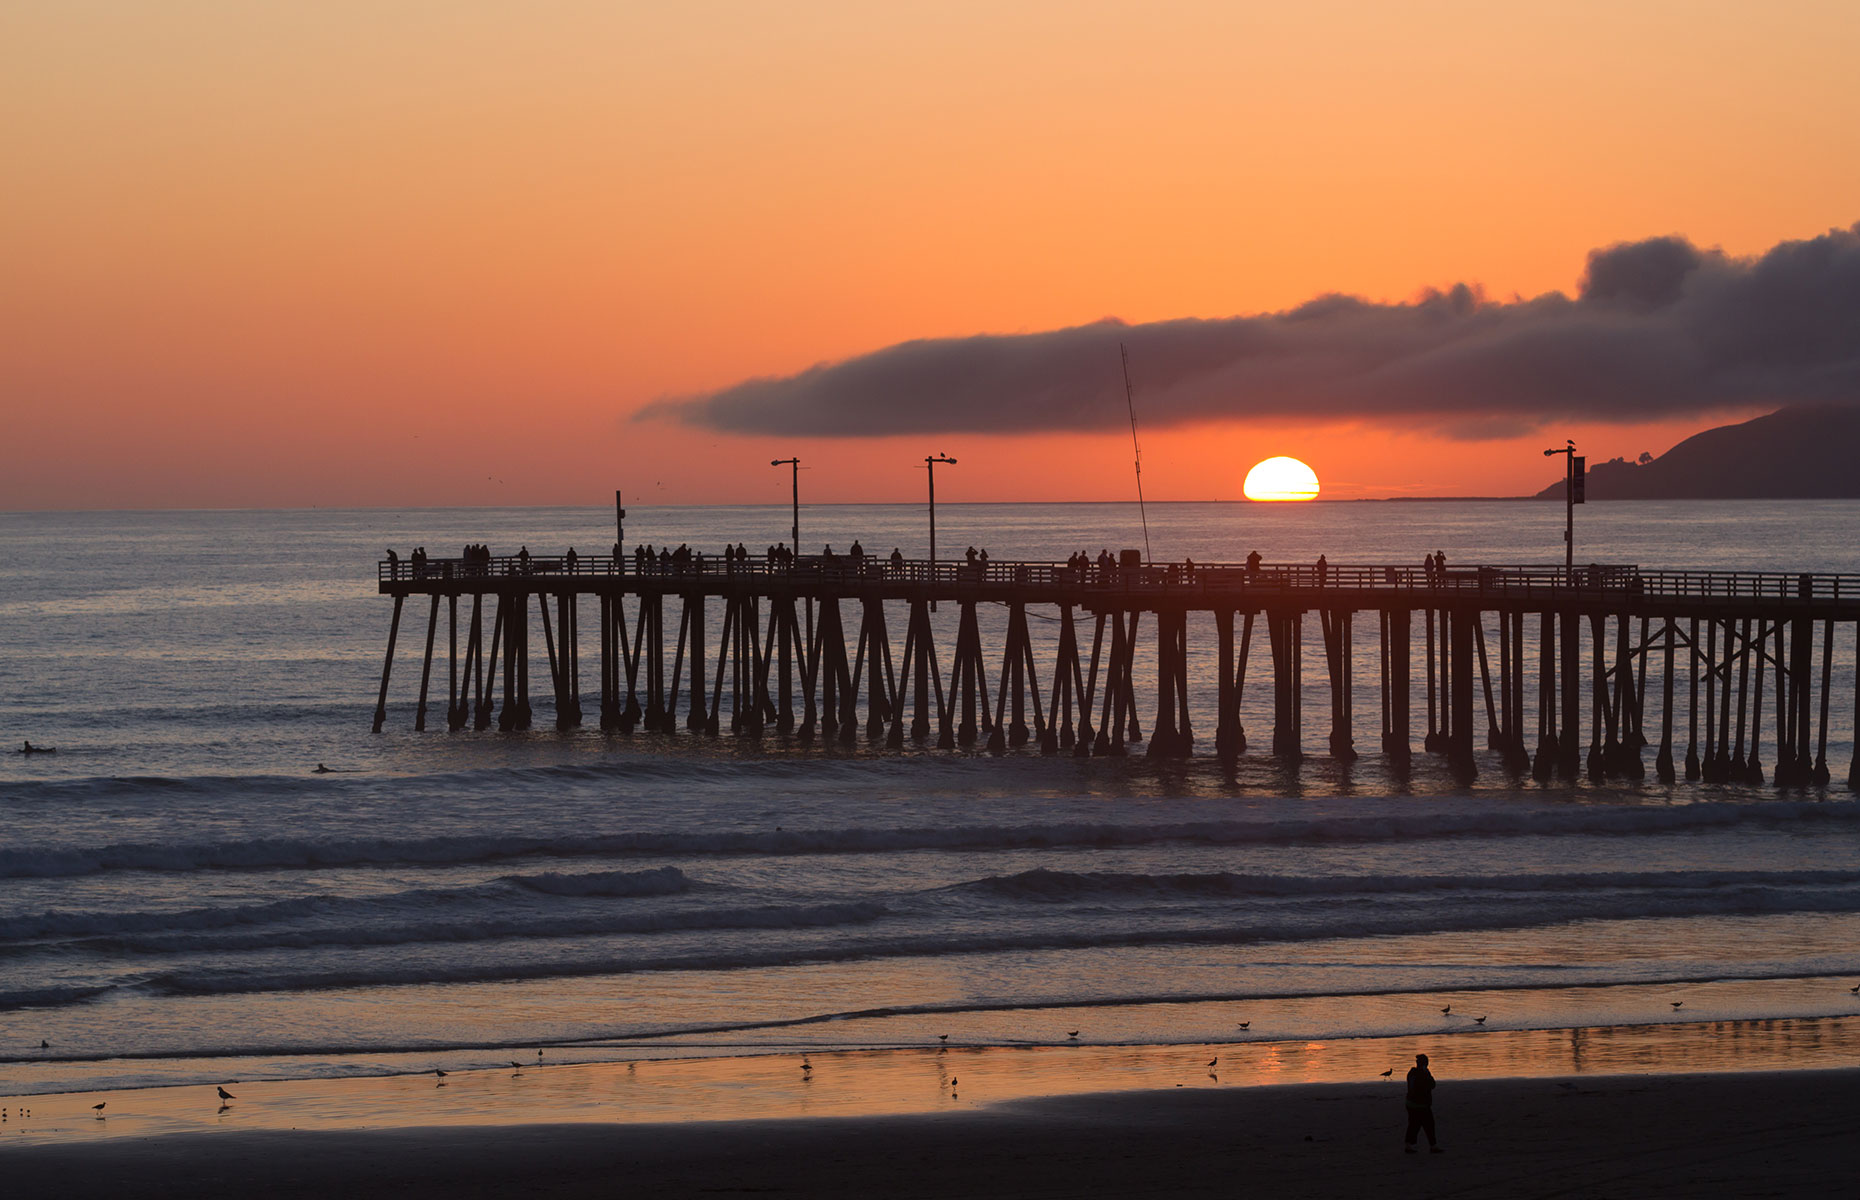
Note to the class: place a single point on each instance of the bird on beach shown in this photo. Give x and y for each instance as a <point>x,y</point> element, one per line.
<point>225,1095</point>
<point>942,1037</point>
<point>1855,989</point>
<point>805,1065</point>
<point>1446,1010</point>
<point>1678,1004</point>
<point>952,1081</point>
<point>441,1074</point>
<point>98,1108</point>
<point>1244,1024</point>
<point>1215,1060</point>
<point>45,1045</point>
<point>1478,1020</point>
<point>1388,1072</point>
<point>1074,1035</point>
<point>516,1069</point>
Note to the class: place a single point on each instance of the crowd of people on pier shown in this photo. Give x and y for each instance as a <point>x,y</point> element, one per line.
<point>778,559</point>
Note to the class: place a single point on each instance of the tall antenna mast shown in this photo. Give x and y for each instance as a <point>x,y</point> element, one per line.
<point>1130,402</point>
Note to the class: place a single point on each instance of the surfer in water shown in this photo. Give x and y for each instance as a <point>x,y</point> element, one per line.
<point>322,770</point>
<point>29,748</point>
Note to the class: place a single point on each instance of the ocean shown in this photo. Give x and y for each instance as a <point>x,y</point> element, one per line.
<point>182,900</point>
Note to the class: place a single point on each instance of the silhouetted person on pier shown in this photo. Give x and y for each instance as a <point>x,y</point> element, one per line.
<point>1252,563</point>
<point>1440,565</point>
<point>523,559</point>
<point>983,559</point>
<point>1420,1106</point>
<point>970,555</point>
<point>1323,569</point>
<point>1428,570</point>
<point>897,561</point>
<point>572,559</point>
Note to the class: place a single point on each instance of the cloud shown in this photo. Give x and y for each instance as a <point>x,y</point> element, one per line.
<point>1658,328</point>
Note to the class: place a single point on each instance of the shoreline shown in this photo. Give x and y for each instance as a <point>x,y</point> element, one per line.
<point>1729,1135</point>
<point>811,1081</point>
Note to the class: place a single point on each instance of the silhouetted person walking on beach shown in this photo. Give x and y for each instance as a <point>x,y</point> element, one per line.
<point>1420,1106</point>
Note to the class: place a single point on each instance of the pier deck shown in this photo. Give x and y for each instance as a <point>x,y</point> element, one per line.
<point>786,657</point>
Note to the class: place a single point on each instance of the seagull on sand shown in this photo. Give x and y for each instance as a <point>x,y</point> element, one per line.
<point>805,1065</point>
<point>45,1045</point>
<point>1212,1061</point>
<point>224,1094</point>
<point>952,1081</point>
<point>441,1074</point>
<point>942,1037</point>
<point>1855,989</point>
<point>1244,1024</point>
<point>1678,1004</point>
<point>1388,1072</point>
<point>1074,1035</point>
<point>1446,1010</point>
<point>99,1109</point>
<point>1478,1020</point>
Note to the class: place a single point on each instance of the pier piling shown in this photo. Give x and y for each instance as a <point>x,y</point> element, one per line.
<point>1745,644</point>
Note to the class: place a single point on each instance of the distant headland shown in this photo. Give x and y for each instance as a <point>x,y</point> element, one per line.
<point>1796,453</point>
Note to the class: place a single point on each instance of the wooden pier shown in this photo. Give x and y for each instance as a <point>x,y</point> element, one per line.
<point>806,647</point>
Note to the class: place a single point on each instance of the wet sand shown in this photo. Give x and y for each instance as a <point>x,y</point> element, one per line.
<point>1724,1135</point>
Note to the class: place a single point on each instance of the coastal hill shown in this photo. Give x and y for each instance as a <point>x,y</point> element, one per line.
<point>1798,453</point>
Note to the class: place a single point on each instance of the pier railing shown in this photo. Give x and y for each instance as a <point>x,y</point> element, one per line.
<point>1186,578</point>
<point>804,646</point>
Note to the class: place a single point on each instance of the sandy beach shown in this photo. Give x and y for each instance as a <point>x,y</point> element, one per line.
<point>1762,1108</point>
<point>1727,1135</point>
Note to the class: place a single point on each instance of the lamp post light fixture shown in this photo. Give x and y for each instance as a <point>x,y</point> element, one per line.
<point>930,462</point>
<point>795,530</point>
<point>1573,488</point>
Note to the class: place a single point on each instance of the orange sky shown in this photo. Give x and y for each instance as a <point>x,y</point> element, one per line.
<point>398,253</point>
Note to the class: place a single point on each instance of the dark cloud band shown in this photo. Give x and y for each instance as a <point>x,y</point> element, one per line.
<point>1658,328</point>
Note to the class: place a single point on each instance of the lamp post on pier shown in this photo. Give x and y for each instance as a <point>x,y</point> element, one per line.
<point>1573,480</point>
<point>795,530</point>
<point>930,462</point>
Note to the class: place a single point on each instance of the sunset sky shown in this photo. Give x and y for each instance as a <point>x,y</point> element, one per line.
<point>395,253</point>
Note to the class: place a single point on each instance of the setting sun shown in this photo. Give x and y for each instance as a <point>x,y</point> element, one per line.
<point>1281,479</point>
